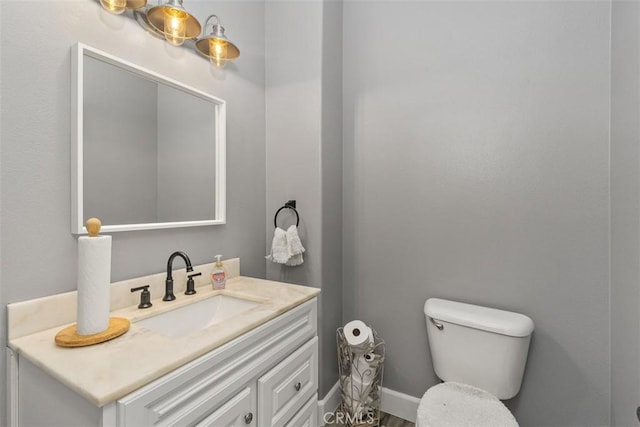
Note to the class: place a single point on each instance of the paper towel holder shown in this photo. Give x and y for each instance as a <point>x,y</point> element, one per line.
<point>93,226</point>
<point>69,336</point>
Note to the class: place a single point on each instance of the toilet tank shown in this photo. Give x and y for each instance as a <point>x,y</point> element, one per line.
<point>480,346</point>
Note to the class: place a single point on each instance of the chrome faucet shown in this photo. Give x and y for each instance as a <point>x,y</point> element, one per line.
<point>168,284</point>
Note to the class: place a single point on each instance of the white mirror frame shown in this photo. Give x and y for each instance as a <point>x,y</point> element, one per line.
<point>77,217</point>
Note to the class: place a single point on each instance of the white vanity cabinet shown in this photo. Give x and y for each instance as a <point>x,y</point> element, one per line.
<point>265,377</point>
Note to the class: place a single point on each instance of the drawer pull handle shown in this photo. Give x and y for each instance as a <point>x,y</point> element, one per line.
<point>297,386</point>
<point>248,418</point>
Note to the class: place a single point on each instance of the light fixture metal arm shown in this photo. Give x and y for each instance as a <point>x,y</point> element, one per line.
<point>206,22</point>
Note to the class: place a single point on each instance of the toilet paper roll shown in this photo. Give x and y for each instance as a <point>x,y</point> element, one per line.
<point>357,396</point>
<point>358,334</point>
<point>94,279</point>
<point>362,372</point>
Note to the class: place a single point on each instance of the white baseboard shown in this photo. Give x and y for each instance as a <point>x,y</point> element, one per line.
<point>393,402</point>
<point>12,388</point>
<point>329,403</point>
<point>399,404</point>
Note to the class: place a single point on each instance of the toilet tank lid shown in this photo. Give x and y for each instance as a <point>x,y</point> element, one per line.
<point>478,317</point>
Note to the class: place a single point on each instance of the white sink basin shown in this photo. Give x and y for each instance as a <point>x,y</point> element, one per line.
<point>197,316</point>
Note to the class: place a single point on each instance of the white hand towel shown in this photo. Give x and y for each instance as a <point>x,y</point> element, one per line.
<point>295,260</point>
<point>294,247</point>
<point>279,247</point>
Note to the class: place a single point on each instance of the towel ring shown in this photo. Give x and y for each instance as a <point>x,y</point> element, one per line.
<point>291,204</point>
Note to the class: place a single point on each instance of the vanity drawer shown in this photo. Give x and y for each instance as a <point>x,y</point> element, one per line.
<point>307,416</point>
<point>239,411</point>
<point>288,386</point>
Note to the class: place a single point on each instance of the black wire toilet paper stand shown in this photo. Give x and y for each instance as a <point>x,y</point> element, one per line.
<point>361,370</point>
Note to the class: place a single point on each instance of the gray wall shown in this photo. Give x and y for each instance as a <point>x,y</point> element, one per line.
<point>476,169</point>
<point>331,164</point>
<point>3,413</point>
<point>186,156</point>
<point>303,136</point>
<point>38,250</point>
<point>120,129</point>
<point>625,213</point>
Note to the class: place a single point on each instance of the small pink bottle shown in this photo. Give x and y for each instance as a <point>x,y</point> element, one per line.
<point>219,275</point>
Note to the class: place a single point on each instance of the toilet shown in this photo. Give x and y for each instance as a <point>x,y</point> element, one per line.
<point>480,354</point>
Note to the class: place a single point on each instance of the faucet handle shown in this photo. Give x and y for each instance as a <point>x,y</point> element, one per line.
<point>191,286</point>
<point>145,296</point>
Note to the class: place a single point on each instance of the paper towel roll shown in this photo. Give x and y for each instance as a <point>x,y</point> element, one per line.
<point>358,334</point>
<point>94,279</point>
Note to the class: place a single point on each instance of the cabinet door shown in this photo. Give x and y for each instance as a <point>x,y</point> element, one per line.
<point>307,416</point>
<point>239,411</point>
<point>288,386</point>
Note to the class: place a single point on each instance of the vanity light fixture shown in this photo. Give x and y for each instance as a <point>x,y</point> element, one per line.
<point>169,20</point>
<point>172,20</point>
<point>216,46</point>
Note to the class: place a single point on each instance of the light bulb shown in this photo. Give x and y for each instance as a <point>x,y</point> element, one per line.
<point>175,25</point>
<point>114,6</point>
<point>218,52</point>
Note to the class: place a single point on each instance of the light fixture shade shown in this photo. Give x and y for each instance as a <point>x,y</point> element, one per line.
<point>136,4</point>
<point>118,6</point>
<point>114,6</point>
<point>216,46</point>
<point>183,25</point>
<point>204,47</point>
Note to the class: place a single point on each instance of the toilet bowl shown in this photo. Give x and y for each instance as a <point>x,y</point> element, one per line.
<point>480,353</point>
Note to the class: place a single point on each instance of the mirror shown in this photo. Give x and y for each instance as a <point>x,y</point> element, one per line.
<point>147,152</point>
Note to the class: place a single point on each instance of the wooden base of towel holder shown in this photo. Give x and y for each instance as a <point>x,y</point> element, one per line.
<point>69,337</point>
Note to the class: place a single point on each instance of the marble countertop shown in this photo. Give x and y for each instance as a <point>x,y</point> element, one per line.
<point>106,372</point>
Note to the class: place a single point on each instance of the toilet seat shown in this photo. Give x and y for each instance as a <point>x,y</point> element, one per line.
<point>460,405</point>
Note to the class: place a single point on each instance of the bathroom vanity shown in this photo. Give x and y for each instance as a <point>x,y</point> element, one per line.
<point>258,366</point>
